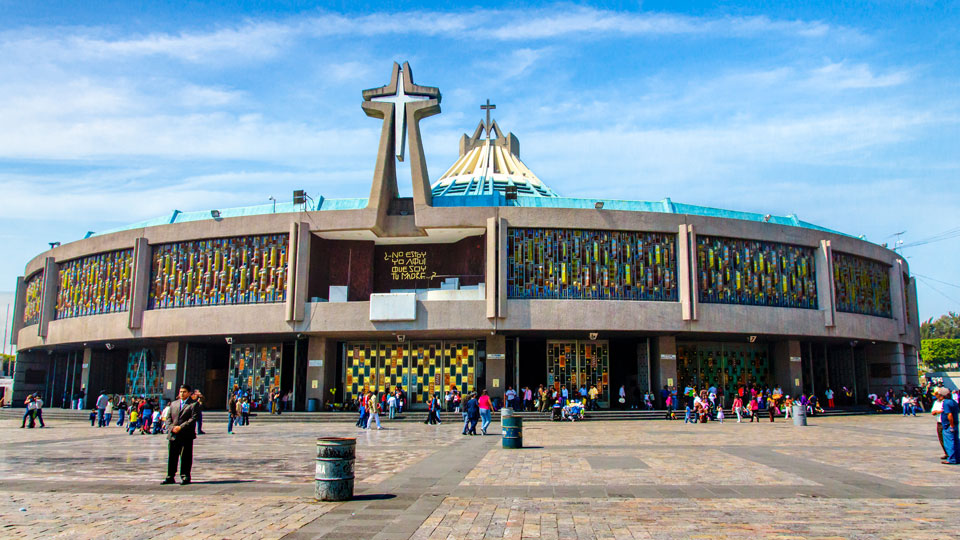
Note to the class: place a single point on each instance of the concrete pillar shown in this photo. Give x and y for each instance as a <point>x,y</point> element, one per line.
<point>140,288</point>
<point>687,271</point>
<point>321,372</point>
<point>886,367</point>
<point>665,357</point>
<point>823,262</point>
<point>496,368</point>
<point>491,268</point>
<point>173,369</point>
<point>788,367</point>
<point>302,275</point>
<point>19,303</point>
<point>85,377</point>
<point>48,302</point>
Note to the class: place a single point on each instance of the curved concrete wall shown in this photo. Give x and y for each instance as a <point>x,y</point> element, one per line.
<point>497,314</point>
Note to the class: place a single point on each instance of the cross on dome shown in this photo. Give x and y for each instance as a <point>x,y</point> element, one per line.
<point>400,98</point>
<point>488,107</point>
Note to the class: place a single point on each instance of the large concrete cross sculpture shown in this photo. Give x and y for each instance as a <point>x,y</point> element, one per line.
<point>401,104</point>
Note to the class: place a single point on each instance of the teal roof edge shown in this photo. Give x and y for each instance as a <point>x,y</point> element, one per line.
<point>665,206</point>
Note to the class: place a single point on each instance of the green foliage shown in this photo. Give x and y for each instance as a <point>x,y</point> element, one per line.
<point>946,327</point>
<point>938,352</point>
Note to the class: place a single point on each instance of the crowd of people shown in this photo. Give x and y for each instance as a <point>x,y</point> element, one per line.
<point>144,415</point>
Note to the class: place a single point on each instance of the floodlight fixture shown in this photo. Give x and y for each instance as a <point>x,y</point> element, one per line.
<point>215,214</point>
<point>299,196</point>
<point>752,339</point>
<point>766,218</point>
<point>229,340</point>
<point>54,244</point>
<point>598,205</point>
<point>594,336</point>
<point>401,338</point>
<point>109,346</point>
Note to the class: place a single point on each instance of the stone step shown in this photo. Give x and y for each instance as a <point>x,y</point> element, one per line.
<point>415,416</point>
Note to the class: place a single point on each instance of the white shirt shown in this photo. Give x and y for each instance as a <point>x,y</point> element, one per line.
<point>109,409</point>
<point>937,408</point>
<point>392,401</point>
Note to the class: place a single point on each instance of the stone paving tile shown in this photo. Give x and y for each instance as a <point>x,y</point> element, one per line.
<point>834,478</point>
<point>582,519</point>
<point>691,465</point>
<point>80,516</point>
<point>276,453</point>
<point>911,465</point>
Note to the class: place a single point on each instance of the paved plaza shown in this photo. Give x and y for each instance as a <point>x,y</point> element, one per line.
<point>846,477</point>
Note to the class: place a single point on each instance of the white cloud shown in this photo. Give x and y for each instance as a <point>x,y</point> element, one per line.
<point>842,75</point>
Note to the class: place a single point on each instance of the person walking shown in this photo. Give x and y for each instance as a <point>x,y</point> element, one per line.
<point>473,414</point>
<point>197,398</point>
<point>108,413</point>
<point>935,409</point>
<point>180,439</point>
<point>102,401</point>
<point>374,405</point>
<point>232,410</point>
<point>950,420</point>
<point>30,406</point>
<point>737,408</point>
<point>486,409</point>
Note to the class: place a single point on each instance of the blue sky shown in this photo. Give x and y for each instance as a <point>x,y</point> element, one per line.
<point>846,114</point>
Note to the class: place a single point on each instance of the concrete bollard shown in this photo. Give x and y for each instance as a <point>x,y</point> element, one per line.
<point>512,428</point>
<point>799,415</point>
<point>334,476</point>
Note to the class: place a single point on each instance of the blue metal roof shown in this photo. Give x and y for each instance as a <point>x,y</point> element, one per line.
<point>496,198</point>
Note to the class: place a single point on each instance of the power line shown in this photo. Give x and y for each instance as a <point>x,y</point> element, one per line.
<point>943,294</point>
<point>937,280</point>
<point>939,237</point>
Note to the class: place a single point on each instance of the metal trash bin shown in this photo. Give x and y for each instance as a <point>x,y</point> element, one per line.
<point>799,415</point>
<point>512,428</point>
<point>313,405</point>
<point>334,477</point>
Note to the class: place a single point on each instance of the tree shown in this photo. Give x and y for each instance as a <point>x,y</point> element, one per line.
<point>945,327</point>
<point>937,353</point>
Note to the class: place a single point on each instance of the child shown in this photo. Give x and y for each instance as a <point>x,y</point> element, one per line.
<point>93,417</point>
<point>686,416</point>
<point>245,411</point>
<point>720,413</point>
<point>132,425</point>
<point>156,422</point>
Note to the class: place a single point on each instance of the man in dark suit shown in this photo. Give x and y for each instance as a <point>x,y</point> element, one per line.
<point>183,419</point>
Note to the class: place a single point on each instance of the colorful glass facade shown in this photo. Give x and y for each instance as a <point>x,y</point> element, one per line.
<point>95,284</point>
<point>751,272</point>
<point>31,309</point>
<point>255,369</point>
<point>861,285</point>
<point>572,364</point>
<point>726,366</point>
<point>426,371</point>
<point>361,365</point>
<point>241,270</point>
<point>392,366</point>
<point>459,363</point>
<point>591,264</point>
<point>144,374</point>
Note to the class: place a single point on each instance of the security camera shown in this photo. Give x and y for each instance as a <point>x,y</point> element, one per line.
<point>229,340</point>
<point>109,346</point>
<point>401,338</point>
<point>594,336</point>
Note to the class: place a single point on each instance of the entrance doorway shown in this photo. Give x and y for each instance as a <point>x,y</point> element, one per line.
<point>572,364</point>
<point>724,365</point>
<point>421,368</point>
